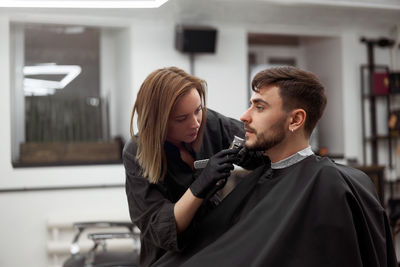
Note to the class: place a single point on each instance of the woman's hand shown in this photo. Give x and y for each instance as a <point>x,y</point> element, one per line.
<point>218,168</point>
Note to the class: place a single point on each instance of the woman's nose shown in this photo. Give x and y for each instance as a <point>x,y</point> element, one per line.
<point>195,122</point>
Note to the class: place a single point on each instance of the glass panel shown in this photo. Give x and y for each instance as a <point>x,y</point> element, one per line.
<point>65,118</point>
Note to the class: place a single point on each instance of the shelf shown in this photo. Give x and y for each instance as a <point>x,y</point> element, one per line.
<point>380,137</point>
<point>373,104</point>
<point>368,96</point>
<point>59,164</point>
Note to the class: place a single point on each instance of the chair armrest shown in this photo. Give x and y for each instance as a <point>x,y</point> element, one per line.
<point>81,226</point>
<point>103,236</point>
<point>99,224</point>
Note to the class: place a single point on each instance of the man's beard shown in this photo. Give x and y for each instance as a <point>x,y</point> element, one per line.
<point>264,143</point>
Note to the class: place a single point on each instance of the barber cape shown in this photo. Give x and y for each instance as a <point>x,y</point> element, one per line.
<point>312,213</point>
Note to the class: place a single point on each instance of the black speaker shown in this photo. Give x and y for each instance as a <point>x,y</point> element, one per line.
<point>194,39</point>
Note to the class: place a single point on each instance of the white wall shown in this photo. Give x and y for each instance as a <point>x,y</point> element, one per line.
<point>108,79</point>
<point>323,59</point>
<point>25,215</point>
<point>5,135</point>
<point>124,95</point>
<point>263,53</point>
<point>226,72</point>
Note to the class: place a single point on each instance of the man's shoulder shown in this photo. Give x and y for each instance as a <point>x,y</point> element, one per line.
<point>344,178</point>
<point>328,165</point>
<point>346,172</point>
<point>357,177</point>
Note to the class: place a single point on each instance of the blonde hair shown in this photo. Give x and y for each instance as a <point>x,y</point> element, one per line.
<point>156,98</point>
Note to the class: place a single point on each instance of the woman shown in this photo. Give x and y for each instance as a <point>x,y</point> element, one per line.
<point>174,129</point>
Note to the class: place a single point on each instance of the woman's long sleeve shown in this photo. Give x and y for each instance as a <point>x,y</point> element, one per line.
<point>149,209</point>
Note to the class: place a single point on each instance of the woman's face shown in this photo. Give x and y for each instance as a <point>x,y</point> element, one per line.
<point>185,118</point>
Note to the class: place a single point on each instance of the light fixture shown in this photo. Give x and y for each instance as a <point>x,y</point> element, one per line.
<point>82,4</point>
<point>34,86</point>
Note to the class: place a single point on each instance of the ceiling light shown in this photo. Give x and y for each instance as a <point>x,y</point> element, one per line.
<point>34,86</point>
<point>83,4</point>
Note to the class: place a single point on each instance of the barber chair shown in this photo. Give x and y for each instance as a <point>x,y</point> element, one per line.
<point>99,255</point>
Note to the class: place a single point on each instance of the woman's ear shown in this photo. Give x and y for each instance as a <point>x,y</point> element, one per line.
<point>298,119</point>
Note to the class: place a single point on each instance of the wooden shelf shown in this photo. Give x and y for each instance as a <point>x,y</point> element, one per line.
<point>381,137</point>
<point>16,164</point>
<point>368,96</point>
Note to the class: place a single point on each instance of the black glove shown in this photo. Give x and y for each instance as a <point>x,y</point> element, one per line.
<point>250,159</point>
<point>218,168</point>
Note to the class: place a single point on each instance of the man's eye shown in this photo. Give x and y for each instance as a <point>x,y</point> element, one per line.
<point>260,108</point>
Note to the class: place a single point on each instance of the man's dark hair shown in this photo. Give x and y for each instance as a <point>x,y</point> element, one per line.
<point>297,88</point>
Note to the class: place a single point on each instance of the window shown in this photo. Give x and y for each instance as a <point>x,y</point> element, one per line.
<point>62,110</point>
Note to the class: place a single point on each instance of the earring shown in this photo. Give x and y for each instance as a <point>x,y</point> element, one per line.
<point>292,130</point>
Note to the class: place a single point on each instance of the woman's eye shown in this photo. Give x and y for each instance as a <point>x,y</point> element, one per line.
<point>198,110</point>
<point>180,119</point>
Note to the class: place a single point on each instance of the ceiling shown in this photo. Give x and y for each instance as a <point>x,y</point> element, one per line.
<point>255,15</point>
<point>364,4</point>
<point>82,3</point>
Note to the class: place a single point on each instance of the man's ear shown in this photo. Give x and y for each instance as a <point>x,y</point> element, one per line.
<point>297,119</point>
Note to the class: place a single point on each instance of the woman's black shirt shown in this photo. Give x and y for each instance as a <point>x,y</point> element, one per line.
<point>151,205</point>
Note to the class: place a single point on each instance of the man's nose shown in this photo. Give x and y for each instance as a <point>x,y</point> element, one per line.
<point>245,116</point>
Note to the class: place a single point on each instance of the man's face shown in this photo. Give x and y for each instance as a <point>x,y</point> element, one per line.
<point>265,121</point>
<point>185,118</point>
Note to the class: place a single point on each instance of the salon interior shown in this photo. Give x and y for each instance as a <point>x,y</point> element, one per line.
<point>99,52</point>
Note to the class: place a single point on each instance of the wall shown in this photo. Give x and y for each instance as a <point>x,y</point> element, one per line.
<point>224,72</point>
<point>263,53</point>
<point>25,216</point>
<point>123,93</point>
<point>323,59</point>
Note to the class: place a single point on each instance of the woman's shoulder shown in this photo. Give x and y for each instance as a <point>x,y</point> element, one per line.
<point>215,118</point>
<point>130,147</point>
<point>214,115</point>
<point>129,153</point>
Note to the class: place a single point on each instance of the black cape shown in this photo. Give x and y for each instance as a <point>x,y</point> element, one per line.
<point>313,213</point>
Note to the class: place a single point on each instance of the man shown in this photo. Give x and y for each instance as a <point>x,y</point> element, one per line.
<point>302,210</point>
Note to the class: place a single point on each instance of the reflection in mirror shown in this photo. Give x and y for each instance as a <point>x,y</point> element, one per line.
<point>61,113</point>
